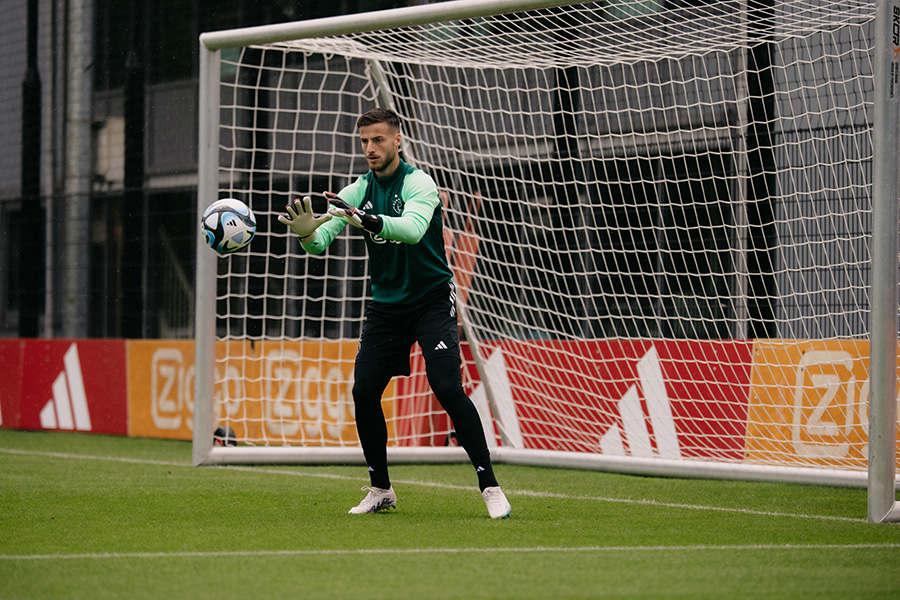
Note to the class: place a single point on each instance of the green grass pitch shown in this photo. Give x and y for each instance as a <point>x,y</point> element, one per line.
<point>85,516</point>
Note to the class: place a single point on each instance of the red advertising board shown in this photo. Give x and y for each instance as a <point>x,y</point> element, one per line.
<point>10,382</point>
<point>675,399</point>
<point>69,385</point>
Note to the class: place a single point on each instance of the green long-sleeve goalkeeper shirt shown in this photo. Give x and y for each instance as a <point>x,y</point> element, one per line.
<point>407,259</point>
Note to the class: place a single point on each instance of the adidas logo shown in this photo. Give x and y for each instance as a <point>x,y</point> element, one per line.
<point>441,346</point>
<point>68,408</point>
<point>479,470</point>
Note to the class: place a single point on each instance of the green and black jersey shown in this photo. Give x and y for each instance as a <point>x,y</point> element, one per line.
<point>407,259</point>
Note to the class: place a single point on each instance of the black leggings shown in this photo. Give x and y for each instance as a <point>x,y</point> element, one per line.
<point>371,379</point>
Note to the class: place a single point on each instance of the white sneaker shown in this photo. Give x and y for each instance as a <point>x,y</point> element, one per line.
<point>497,504</point>
<point>376,500</point>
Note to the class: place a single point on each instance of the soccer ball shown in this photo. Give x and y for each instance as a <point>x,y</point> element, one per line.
<point>224,436</point>
<point>228,225</point>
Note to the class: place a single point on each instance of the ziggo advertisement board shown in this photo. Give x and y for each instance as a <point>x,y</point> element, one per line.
<point>282,392</point>
<point>777,402</point>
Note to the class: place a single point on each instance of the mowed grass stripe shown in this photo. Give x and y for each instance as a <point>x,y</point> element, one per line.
<point>367,551</point>
<point>446,486</point>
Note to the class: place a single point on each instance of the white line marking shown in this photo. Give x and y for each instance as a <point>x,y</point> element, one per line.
<point>396,551</point>
<point>446,486</point>
<point>743,511</point>
<point>67,456</point>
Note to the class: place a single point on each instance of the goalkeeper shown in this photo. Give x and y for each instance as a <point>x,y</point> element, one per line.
<point>398,210</point>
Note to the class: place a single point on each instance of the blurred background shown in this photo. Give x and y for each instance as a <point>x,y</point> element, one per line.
<point>98,159</point>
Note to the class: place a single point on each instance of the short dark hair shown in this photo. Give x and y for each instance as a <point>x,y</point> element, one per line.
<point>379,115</point>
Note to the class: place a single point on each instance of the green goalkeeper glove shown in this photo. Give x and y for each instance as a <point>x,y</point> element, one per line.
<point>353,215</point>
<point>301,218</point>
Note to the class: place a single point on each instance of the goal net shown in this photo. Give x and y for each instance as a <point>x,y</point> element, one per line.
<point>658,213</point>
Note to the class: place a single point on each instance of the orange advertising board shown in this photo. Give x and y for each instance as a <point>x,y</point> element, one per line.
<point>808,403</point>
<point>269,392</point>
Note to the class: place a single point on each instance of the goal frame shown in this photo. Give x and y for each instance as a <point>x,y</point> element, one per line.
<point>880,479</point>
<point>882,504</point>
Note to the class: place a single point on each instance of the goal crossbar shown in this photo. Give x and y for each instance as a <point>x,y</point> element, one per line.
<point>422,14</point>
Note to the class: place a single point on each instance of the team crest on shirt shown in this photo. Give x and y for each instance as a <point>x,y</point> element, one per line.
<point>397,204</point>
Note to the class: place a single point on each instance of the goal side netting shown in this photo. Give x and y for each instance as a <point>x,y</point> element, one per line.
<point>659,215</point>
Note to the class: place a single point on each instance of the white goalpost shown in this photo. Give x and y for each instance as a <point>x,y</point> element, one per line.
<point>673,225</point>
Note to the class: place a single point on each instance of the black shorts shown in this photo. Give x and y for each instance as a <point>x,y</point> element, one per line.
<point>390,330</point>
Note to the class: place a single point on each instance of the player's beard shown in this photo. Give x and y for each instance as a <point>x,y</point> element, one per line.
<point>378,166</point>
